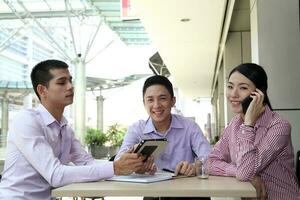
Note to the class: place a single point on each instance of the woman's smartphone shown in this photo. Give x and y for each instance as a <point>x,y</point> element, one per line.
<point>245,104</point>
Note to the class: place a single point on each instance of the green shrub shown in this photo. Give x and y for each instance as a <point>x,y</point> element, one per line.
<point>95,137</point>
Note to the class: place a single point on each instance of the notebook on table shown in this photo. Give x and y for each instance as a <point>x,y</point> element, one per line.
<point>142,178</point>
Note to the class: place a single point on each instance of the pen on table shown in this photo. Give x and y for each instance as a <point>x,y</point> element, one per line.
<point>168,170</point>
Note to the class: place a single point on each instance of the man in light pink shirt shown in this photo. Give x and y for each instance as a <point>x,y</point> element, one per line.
<point>41,144</point>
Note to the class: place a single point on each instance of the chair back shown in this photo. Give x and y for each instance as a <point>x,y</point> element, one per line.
<point>112,158</point>
<point>298,166</point>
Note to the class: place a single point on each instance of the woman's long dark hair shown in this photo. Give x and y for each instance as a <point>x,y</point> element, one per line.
<point>257,75</point>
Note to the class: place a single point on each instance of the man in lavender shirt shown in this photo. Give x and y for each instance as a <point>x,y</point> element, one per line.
<point>41,144</point>
<point>184,136</point>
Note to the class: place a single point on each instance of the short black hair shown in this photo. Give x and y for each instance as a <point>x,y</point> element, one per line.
<point>40,73</point>
<point>257,75</point>
<point>158,80</point>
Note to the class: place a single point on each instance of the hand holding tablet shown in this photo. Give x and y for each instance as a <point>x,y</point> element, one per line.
<point>150,147</point>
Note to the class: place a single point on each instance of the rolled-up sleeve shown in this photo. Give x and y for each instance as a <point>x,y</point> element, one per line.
<point>29,139</point>
<point>219,160</point>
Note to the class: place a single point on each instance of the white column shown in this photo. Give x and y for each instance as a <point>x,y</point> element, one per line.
<point>208,127</point>
<point>276,46</point>
<point>79,101</point>
<point>275,42</point>
<point>27,101</point>
<point>220,101</point>
<point>4,120</point>
<point>100,101</point>
<point>237,51</point>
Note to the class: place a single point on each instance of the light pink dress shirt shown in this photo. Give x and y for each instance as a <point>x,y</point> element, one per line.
<point>265,150</point>
<point>39,150</point>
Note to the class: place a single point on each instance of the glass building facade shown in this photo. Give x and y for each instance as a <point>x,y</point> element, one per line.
<point>18,54</point>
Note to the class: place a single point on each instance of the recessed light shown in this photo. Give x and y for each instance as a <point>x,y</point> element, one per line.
<point>185,19</point>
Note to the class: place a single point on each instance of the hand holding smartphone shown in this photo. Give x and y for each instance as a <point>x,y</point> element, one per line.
<point>245,103</point>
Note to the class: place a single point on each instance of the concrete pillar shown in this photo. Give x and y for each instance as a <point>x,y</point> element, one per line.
<point>237,51</point>
<point>208,127</point>
<point>79,101</point>
<point>4,120</point>
<point>220,101</point>
<point>214,119</point>
<point>27,101</point>
<point>30,61</point>
<point>275,42</point>
<point>100,101</point>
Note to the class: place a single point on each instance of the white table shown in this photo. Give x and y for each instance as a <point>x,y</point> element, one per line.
<point>215,186</point>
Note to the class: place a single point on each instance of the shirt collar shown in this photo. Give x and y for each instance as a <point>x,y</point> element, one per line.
<point>149,127</point>
<point>48,118</point>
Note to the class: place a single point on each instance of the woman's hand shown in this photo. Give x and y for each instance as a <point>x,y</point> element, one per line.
<point>255,109</point>
<point>260,188</point>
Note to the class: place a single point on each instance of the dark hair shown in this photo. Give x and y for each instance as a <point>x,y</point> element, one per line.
<point>257,75</point>
<point>158,80</point>
<point>40,73</point>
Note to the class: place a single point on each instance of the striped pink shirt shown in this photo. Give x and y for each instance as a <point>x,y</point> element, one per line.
<point>266,151</point>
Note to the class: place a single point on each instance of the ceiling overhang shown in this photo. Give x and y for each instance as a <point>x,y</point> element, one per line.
<point>187,35</point>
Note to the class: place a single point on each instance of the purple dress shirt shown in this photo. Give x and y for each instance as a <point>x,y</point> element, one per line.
<point>38,152</point>
<point>185,141</point>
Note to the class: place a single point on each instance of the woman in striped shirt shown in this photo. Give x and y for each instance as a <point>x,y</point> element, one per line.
<point>256,145</point>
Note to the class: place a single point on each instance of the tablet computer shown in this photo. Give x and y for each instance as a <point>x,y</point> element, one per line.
<point>150,147</point>
<point>142,178</point>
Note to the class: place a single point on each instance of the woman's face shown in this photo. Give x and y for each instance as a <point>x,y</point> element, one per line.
<point>238,88</point>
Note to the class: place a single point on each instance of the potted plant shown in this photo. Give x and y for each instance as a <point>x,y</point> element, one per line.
<point>95,139</point>
<point>115,135</point>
